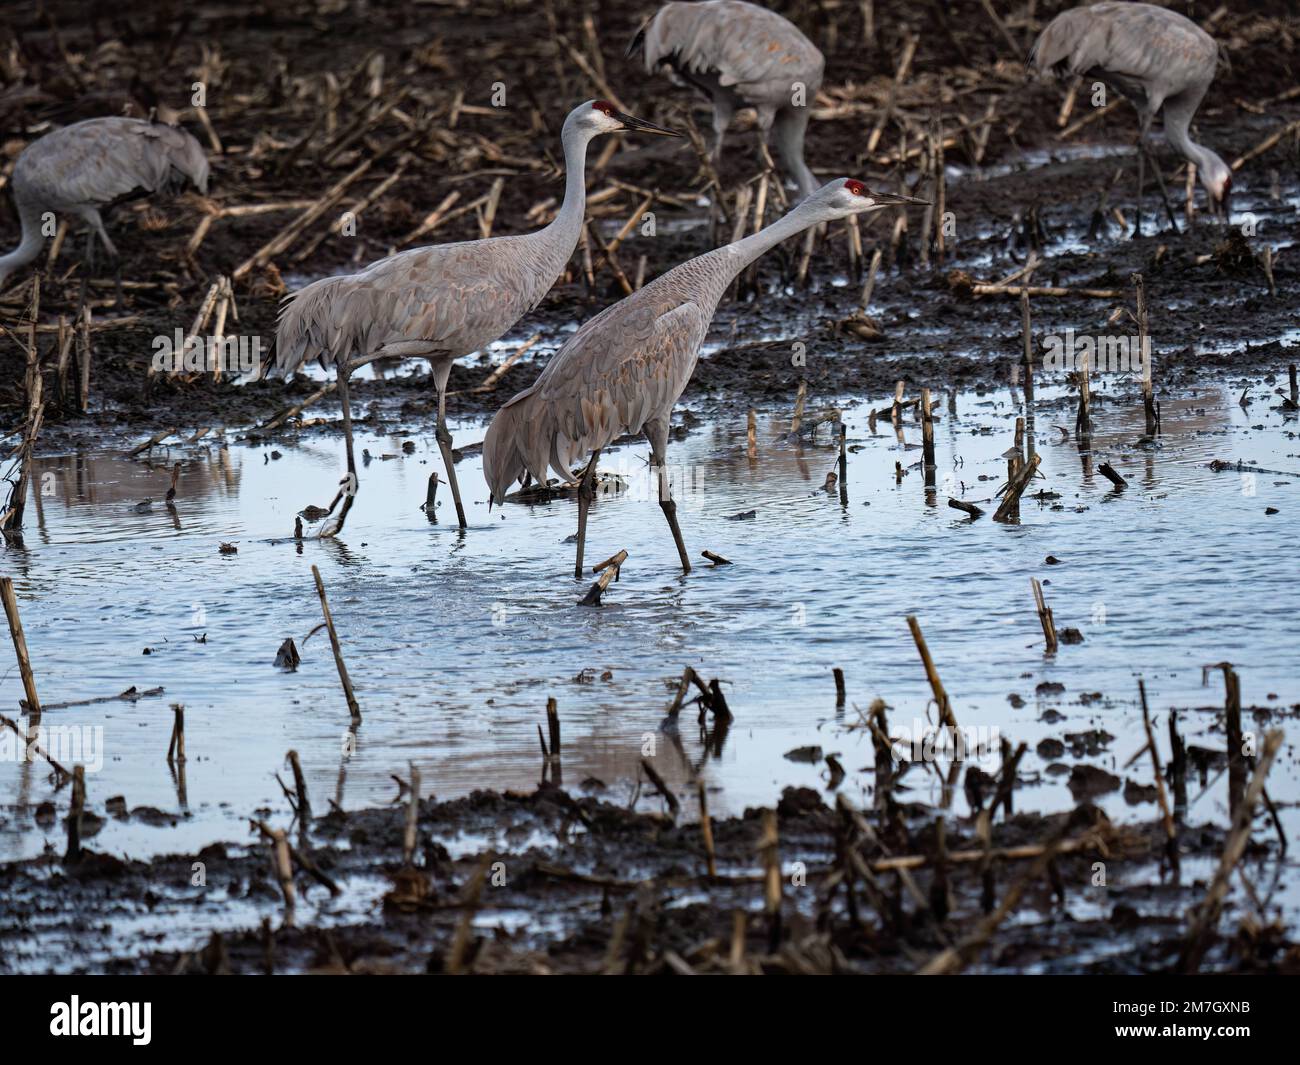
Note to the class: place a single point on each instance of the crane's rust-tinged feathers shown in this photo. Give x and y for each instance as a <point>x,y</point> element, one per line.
<point>624,368</point>
<point>1149,52</point>
<point>750,49</point>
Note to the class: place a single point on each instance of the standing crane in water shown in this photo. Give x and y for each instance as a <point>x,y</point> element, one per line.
<point>92,165</point>
<point>1158,60</point>
<point>623,371</point>
<point>446,301</point>
<point>741,55</point>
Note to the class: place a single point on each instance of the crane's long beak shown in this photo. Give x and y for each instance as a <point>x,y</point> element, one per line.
<point>640,125</point>
<point>889,199</point>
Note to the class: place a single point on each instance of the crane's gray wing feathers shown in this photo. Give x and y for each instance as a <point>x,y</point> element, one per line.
<point>1136,45</point>
<point>100,160</point>
<point>623,368</point>
<point>453,298</point>
<point>753,50</point>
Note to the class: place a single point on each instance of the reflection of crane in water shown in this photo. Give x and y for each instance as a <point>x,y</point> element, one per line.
<point>1158,60</point>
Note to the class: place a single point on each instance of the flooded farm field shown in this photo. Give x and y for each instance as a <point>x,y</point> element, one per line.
<point>455,640</point>
<point>1007,689</point>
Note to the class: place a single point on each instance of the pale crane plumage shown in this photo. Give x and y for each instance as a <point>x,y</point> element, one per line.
<point>623,371</point>
<point>446,301</point>
<point>79,169</point>
<point>741,55</point>
<point>1156,58</point>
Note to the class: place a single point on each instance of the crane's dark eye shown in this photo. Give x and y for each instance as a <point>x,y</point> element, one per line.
<point>605,108</point>
<point>856,187</point>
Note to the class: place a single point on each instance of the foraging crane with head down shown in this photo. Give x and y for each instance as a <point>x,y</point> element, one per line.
<point>741,55</point>
<point>446,301</point>
<point>1159,60</point>
<point>83,168</point>
<point>623,371</point>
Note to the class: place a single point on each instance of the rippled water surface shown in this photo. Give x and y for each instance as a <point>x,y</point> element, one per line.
<point>455,640</point>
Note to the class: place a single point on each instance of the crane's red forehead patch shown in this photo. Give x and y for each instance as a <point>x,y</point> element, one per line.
<point>604,106</point>
<point>856,187</point>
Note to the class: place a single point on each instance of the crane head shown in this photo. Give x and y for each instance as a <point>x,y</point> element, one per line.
<point>1216,176</point>
<point>849,196</point>
<point>600,116</point>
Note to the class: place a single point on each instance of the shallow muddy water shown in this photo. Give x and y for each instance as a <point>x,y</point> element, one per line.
<point>455,640</point>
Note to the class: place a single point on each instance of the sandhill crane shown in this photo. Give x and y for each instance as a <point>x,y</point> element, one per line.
<point>623,371</point>
<point>446,301</point>
<point>89,165</point>
<point>1157,59</point>
<point>741,55</point>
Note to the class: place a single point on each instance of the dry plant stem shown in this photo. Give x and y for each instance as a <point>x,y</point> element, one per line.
<point>33,747</point>
<point>176,748</point>
<point>412,817</point>
<point>1205,919</point>
<point>770,855</point>
<point>20,644</point>
<point>674,806</point>
<point>981,289</point>
<point>946,715</point>
<point>609,574</point>
<point>957,957</point>
<point>1144,344</point>
<point>1108,471</point>
<point>553,726</point>
<point>76,809</point>
<point>1010,505</point>
<point>300,791</point>
<point>298,408</point>
<point>1044,617</point>
<point>1171,832</point>
<point>706,829</point>
<point>344,679</point>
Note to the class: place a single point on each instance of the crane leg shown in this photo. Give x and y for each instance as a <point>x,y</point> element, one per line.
<point>443,436</point>
<point>669,507</point>
<point>585,495</point>
<point>1142,161</point>
<point>1164,193</point>
<point>348,492</point>
<point>722,111</point>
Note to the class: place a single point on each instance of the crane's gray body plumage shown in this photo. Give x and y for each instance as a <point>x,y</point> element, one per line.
<point>623,371</point>
<point>93,164</point>
<point>740,55</point>
<point>445,301</point>
<point>441,302</point>
<point>1155,57</point>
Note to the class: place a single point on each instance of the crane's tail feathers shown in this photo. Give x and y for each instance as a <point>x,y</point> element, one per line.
<point>637,43</point>
<point>312,323</point>
<point>514,445</point>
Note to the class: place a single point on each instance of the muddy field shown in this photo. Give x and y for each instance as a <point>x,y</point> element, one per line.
<point>823,852</point>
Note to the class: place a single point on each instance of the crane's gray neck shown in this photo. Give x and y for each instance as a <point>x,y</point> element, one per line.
<point>30,245</point>
<point>1177,135</point>
<point>743,252</point>
<point>566,228</point>
<point>788,133</point>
